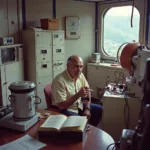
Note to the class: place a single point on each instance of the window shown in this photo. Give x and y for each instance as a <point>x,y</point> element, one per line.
<point>118,30</point>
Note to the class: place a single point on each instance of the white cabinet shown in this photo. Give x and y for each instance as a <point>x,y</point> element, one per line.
<point>99,75</point>
<point>44,56</point>
<point>10,72</point>
<point>115,113</point>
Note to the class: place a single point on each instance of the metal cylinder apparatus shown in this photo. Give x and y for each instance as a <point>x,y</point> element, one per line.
<point>23,99</point>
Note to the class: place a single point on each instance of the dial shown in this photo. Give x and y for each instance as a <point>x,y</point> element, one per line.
<point>73,24</point>
<point>72,27</point>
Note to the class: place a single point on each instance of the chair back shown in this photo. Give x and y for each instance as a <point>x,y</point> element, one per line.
<point>47,92</point>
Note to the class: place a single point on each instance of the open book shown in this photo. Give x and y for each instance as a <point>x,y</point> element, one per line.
<point>64,123</point>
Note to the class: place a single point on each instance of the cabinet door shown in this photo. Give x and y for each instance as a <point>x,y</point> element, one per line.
<point>44,53</point>
<point>58,67</point>
<point>3,86</point>
<point>58,38</point>
<point>58,53</point>
<point>42,82</point>
<point>13,73</point>
<point>43,39</point>
<point>57,72</point>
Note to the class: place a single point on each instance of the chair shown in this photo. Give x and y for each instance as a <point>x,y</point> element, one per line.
<point>47,93</point>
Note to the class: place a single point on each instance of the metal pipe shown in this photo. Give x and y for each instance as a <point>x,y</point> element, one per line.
<point>18,19</point>
<point>54,9</point>
<point>112,1</point>
<point>96,27</point>
<point>23,14</point>
<point>147,23</point>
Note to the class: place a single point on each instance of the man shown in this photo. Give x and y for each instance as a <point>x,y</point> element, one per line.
<point>70,88</point>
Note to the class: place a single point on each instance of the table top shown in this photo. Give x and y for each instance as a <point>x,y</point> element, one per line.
<point>95,139</point>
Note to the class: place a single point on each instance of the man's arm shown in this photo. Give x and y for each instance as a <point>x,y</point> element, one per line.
<point>68,102</point>
<point>86,111</point>
<point>88,101</point>
<point>65,104</point>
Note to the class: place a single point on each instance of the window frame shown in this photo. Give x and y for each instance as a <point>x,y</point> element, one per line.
<point>103,8</point>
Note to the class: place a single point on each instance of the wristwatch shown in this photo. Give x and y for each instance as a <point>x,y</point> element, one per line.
<point>85,98</point>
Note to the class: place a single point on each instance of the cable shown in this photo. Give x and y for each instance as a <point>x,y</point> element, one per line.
<point>126,112</point>
<point>135,97</point>
<point>121,77</point>
<point>110,145</point>
<point>118,78</point>
<point>113,147</point>
<point>117,144</point>
<point>132,13</point>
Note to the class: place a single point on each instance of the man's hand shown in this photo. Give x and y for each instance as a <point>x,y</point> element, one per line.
<point>84,92</point>
<point>87,113</point>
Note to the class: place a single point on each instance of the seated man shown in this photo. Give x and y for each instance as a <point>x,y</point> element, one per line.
<point>69,89</point>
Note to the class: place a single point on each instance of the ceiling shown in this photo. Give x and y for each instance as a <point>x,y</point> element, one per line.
<point>94,0</point>
<point>101,0</point>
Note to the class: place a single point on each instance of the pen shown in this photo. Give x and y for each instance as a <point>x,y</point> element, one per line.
<point>91,90</point>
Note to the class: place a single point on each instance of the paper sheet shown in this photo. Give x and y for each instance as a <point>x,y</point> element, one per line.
<point>24,143</point>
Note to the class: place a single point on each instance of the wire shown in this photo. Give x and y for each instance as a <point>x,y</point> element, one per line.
<point>135,97</point>
<point>119,77</point>
<point>126,112</point>
<point>132,13</point>
<point>113,147</point>
<point>110,145</point>
<point>117,144</point>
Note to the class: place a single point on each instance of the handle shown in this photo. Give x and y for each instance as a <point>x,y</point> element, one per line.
<point>30,102</point>
<point>37,102</point>
<point>5,83</point>
<point>11,98</point>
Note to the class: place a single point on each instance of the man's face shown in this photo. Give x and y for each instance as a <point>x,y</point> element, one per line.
<point>75,68</point>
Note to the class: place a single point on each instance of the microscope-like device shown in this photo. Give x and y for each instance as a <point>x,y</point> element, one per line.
<point>136,59</point>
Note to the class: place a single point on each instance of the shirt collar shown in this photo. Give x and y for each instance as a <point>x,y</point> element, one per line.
<point>70,78</point>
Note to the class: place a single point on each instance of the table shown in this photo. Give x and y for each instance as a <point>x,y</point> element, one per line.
<point>95,139</point>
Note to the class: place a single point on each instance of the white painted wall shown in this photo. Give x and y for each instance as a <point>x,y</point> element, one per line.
<point>36,9</point>
<point>86,11</point>
<point>9,19</point>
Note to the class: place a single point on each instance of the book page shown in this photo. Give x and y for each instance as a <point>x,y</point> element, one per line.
<point>53,122</point>
<point>74,121</point>
<point>24,143</point>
